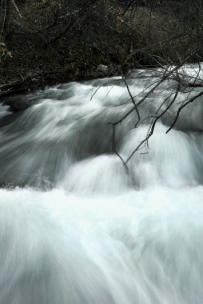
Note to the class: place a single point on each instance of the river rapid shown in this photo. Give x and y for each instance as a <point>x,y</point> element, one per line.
<point>76,227</point>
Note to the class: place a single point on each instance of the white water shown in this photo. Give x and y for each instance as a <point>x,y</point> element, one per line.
<point>75,228</point>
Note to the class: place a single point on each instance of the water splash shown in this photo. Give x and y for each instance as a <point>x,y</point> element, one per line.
<point>98,234</point>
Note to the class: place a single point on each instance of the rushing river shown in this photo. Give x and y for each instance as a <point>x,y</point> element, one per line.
<point>76,227</point>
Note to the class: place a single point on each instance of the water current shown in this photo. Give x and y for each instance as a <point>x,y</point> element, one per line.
<point>76,227</point>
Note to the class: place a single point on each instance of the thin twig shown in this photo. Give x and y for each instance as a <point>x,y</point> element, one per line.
<point>14,4</point>
<point>180,109</point>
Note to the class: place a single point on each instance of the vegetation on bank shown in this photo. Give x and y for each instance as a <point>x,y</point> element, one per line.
<point>50,41</point>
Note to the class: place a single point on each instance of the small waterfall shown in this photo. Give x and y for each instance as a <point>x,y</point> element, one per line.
<point>76,227</point>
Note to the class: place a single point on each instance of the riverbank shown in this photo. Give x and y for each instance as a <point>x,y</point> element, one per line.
<point>50,42</point>
<point>35,60</point>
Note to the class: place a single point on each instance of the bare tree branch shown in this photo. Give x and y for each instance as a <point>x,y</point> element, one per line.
<point>180,109</point>
<point>14,4</point>
<point>152,127</point>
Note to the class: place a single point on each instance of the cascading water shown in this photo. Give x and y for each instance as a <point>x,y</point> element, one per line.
<point>75,227</point>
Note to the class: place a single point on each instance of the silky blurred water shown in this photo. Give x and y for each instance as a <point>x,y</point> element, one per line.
<point>75,226</point>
